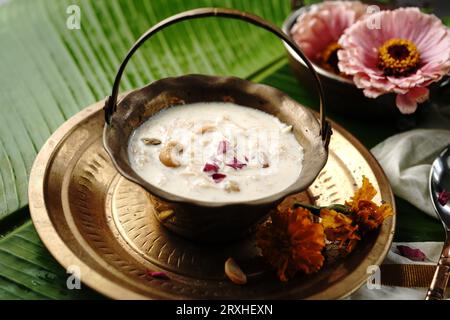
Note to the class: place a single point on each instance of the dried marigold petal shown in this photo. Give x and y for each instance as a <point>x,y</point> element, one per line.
<point>370,216</point>
<point>333,219</point>
<point>363,211</point>
<point>291,241</point>
<point>366,193</point>
<point>339,228</point>
<point>385,210</point>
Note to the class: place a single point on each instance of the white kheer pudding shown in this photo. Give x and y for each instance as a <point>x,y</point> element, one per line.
<point>219,152</point>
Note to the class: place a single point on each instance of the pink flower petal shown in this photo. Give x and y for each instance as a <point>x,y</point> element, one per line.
<point>419,94</point>
<point>412,254</point>
<point>157,275</point>
<point>372,93</point>
<point>443,197</point>
<point>407,103</point>
<point>210,167</point>
<point>218,177</point>
<point>223,147</point>
<point>236,164</point>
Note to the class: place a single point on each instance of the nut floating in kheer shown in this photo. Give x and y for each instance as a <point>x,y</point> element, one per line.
<point>207,128</point>
<point>151,141</point>
<point>234,272</point>
<point>168,154</point>
<point>232,186</point>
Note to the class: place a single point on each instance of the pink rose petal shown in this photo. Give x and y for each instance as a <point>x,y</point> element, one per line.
<point>236,164</point>
<point>157,275</point>
<point>211,167</point>
<point>218,177</point>
<point>443,197</point>
<point>223,147</point>
<point>412,254</point>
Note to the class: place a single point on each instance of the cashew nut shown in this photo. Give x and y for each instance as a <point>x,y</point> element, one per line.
<point>169,154</point>
<point>232,186</point>
<point>234,272</point>
<point>151,141</point>
<point>207,128</point>
<point>166,214</point>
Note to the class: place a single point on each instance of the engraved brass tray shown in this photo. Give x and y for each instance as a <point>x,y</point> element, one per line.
<point>91,217</point>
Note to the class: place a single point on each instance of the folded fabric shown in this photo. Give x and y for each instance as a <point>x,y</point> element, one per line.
<point>432,252</point>
<point>406,159</point>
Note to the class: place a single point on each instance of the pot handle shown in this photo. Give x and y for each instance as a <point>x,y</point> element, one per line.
<point>111,101</point>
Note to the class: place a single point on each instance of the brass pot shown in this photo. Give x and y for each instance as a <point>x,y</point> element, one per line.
<point>204,220</point>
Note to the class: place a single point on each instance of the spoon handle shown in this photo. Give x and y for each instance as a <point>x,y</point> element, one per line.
<point>440,279</point>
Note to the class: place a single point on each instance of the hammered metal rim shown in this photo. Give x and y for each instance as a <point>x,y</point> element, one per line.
<point>64,255</point>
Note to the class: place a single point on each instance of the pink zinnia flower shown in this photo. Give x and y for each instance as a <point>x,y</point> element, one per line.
<point>318,30</point>
<point>406,54</point>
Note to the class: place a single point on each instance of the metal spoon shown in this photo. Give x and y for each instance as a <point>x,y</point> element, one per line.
<point>440,182</point>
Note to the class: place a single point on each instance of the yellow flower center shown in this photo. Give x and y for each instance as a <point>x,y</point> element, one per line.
<point>398,57</point>
<point>329,57</point>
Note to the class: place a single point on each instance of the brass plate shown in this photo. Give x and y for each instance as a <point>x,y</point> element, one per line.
<point>91,217</point>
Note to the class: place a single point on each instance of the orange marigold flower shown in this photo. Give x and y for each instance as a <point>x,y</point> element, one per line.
<point>291,241</point>
<point>339,228</point>
<point>364,212</point>
<point>370,216</point>
<point>365,193</point>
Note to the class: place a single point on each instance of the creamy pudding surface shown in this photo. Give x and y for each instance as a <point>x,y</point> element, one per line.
<point>216,151</point>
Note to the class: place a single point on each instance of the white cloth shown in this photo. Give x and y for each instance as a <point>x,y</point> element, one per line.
<point>406,159</point>
<point>431,249</point>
